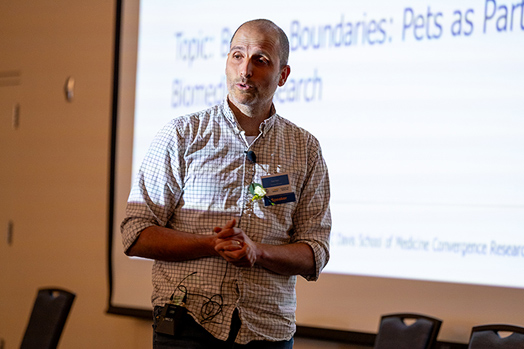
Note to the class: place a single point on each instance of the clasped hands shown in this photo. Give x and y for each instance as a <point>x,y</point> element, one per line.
<point>235,246</point>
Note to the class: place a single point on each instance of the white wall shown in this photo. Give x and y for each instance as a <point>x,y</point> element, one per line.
<point>54,174</point>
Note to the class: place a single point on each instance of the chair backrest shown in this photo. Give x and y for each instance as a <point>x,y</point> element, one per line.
<point>395,333</point>
<point>488,337</point>
<point>50,311</point>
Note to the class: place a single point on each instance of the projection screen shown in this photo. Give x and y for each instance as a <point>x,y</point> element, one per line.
<point>419,109</point>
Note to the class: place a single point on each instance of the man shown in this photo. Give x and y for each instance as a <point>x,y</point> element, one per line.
<point>226,251</point>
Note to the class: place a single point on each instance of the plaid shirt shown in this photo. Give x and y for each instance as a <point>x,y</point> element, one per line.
<point>195,177</point>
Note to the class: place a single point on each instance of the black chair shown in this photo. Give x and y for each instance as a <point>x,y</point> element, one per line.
<point>488,337</point>
<point>395,333</point>
<point>47,320</point>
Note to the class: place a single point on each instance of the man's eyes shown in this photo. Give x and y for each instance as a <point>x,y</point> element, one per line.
<point>258,59</point>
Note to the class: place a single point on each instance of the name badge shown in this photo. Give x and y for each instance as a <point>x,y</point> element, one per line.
<point>278,189</point>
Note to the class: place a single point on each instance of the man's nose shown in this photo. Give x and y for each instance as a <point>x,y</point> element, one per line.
<point>246,69</point>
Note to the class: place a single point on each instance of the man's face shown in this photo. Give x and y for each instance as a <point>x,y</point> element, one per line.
<point>253,67</point>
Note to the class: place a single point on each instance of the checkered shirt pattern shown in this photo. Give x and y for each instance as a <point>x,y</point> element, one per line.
<point>196,176</point>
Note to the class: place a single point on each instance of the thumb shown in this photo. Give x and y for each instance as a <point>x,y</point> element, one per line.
<point>230,223</point>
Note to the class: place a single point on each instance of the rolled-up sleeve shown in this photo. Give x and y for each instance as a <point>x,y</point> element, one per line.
<point>312,218</point>
<point>156,190</point>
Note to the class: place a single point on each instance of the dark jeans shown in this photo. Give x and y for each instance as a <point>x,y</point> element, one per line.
<point>194,336</point>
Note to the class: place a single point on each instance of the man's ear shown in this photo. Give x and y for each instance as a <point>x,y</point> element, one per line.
<point>284,73</point>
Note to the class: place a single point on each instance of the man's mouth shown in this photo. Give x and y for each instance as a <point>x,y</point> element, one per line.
<point>244,86</point>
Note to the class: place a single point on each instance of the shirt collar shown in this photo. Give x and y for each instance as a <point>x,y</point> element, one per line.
<point>265,126</point>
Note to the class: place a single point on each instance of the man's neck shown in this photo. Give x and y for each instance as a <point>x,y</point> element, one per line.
<point>249,118</point>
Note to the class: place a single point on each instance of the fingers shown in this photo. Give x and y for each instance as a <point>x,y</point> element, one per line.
<point>236,252</point>
<point>232,252</point>
<point>234,245</point>
<point>241,258</point>
<point>230,232</point>
<point>229,245</point>
<point>230,224</point>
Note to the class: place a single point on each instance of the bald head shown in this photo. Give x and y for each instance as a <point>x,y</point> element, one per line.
<point>271,28</point>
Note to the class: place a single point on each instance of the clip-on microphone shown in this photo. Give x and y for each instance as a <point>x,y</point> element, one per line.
<point>251,156</point>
